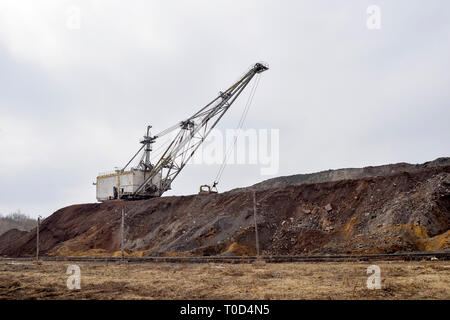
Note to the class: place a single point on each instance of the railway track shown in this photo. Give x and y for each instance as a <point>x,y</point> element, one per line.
<point>410,256</point>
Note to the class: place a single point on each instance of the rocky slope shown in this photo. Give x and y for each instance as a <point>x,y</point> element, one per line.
<point>345,174</point>
<point>403,210</point>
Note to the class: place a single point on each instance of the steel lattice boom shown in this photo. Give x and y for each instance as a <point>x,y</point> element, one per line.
<point>191,134</point>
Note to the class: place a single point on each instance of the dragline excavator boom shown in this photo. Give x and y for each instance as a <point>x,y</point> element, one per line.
<point>152,180</point>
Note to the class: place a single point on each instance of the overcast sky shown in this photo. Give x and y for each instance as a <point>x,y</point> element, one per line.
<point>75,101</point>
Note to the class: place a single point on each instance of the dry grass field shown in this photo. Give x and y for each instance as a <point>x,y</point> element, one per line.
<point>400,280</point>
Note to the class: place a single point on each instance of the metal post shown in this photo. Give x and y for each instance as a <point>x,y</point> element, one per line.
<point>256,225</point>
<point>122,232</point>
<point>37,237</point>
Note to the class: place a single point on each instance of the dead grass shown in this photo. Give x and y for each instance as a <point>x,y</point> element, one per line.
<point>415,280</point>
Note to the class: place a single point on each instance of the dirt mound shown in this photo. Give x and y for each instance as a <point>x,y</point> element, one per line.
<point>10,237</point>
<point>405,211</point>
<point>346,174</point>
<point>70,223</point>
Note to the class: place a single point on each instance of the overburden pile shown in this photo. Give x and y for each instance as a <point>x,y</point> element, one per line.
<point>384,209</point>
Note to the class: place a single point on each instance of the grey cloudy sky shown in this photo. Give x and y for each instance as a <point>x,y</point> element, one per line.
<point>74,102</point>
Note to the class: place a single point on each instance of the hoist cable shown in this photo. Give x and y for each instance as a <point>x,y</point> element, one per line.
<point>240,124</point>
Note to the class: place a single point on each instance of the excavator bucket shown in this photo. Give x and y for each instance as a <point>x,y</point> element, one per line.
<point>205,189</point>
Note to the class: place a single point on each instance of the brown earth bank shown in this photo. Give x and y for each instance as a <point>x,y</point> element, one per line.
<point>399,211</point>
<point>346,174</point>
<point>399,280</point>
<point>10,237</point>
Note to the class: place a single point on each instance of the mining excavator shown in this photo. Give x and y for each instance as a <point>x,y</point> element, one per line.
<point>147,180</point>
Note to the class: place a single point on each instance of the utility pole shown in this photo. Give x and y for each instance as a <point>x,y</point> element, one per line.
<point>122,232</point>
<point>37,237</point>
<point>256,225</point>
